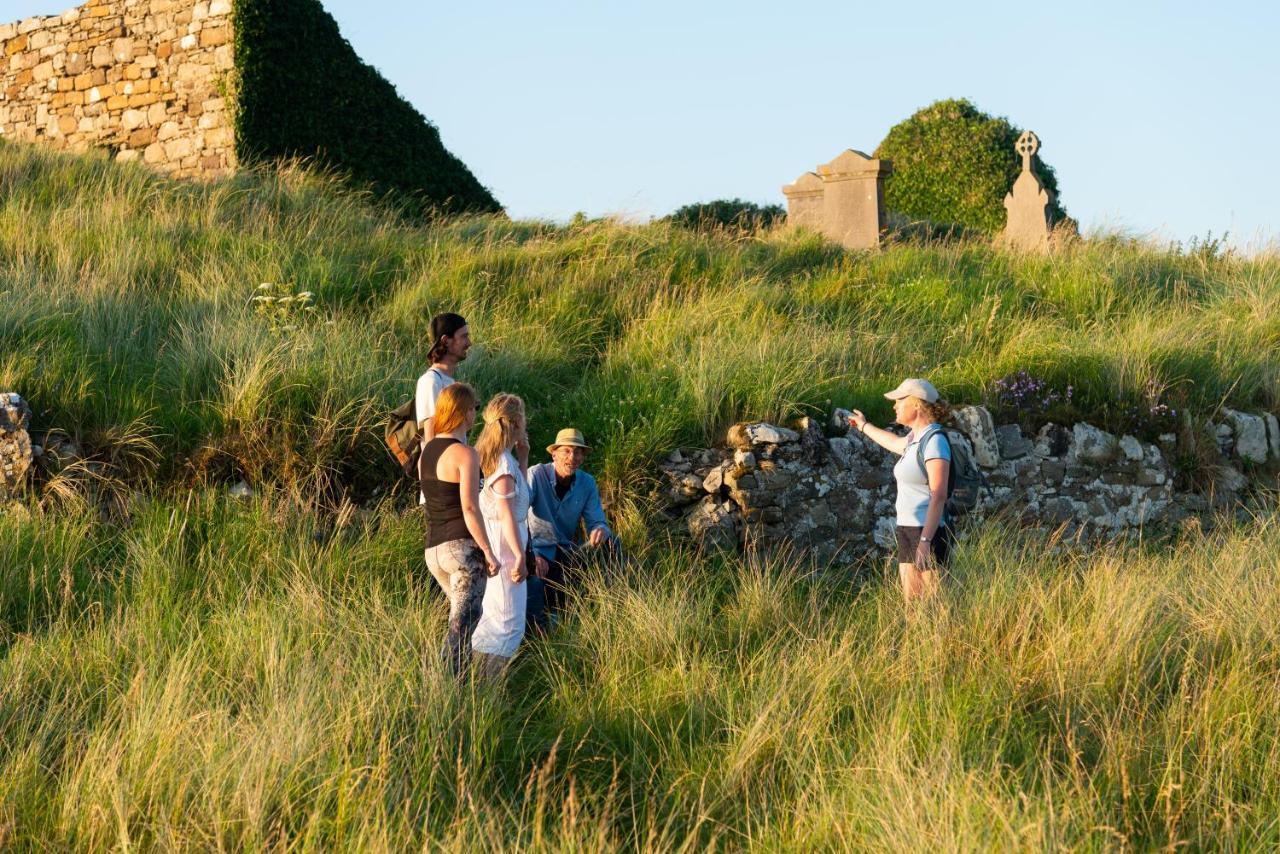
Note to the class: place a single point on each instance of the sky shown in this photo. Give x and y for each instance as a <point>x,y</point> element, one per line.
<point>1158,117</point>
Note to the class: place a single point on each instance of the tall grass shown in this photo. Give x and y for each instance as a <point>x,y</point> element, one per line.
<point>222,675</point>
<point>127,300</point>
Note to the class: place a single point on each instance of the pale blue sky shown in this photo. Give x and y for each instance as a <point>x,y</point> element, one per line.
<point>1159,117</point>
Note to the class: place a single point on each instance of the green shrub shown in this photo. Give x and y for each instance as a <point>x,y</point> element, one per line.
<point>953,165</point>
<point>302,92</point>
<point>732,214</point>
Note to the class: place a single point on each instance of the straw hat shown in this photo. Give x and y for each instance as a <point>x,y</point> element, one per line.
<point>571,437</point>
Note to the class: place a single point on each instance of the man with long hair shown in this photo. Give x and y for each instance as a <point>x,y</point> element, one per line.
<point>450,341</point>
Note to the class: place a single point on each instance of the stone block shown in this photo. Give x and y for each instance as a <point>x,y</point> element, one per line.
<point>1013,445</point>
<point>144,99</point>
<point>132,119</point>
<point>75,63</point>
<point>1092,445</point>
<point>853,199</point>
<point>142,137</point>
<point>804,202</point>
<point>214,36</point>
<point>101,56</point>
<point>1131,448</point>
<point>154,153</point>
<point>117,102</point>
<point>42,72</point>
<point>1250,432</point>
<point>15,45</point>
<point>1273,436</point>
<point>178,148</point>
<point>976,423</point>
<point>66,125</point>
<point>122,50</point>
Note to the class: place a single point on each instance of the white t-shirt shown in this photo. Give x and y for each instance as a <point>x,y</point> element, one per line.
<point>429,387</point>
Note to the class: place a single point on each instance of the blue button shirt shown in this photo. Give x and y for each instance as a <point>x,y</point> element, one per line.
<point>554,521</point>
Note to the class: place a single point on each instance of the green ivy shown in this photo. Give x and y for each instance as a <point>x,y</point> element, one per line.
<point>953,165</point>
<point>301,91</point>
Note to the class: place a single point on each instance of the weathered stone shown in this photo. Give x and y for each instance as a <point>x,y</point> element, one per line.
<point>1012,443</point>
<point>1093,445</point>
<point>1131,448</point>
<point>976,423</point>
<point>1027,203</point>
<point>853,199</point>
<point>1250,433</point>
<point>804,202</point>
<point>714,523</point>
<point>715,479</point>
<point>1273,436</point>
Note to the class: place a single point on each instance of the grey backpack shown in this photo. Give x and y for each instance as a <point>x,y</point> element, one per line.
<point>965,480</point>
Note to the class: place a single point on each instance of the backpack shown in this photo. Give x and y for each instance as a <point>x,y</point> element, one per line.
<point>403,437</point>
<point>964,479</point>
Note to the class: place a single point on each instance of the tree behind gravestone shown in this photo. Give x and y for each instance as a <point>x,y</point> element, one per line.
<point>953,165</point>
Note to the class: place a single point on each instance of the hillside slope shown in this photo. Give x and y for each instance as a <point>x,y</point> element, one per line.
<point>129,310</point>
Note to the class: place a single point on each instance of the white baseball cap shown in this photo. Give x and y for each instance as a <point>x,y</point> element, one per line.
<point>922,389</point>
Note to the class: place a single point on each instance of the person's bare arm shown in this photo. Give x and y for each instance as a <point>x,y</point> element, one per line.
<point>504,489</point>
<point>938,471</point>
<point>467,463</point>
<point>883,438</point>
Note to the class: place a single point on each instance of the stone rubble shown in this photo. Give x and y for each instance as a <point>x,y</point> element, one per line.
<point>834,497</point>
<point>16,451</point>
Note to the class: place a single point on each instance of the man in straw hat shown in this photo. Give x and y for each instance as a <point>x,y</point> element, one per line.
<point>562,496</point>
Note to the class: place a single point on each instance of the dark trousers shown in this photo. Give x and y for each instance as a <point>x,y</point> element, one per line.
<point>551,594</point>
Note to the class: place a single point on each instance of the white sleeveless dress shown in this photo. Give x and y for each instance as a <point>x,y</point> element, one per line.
<point>502,612</point>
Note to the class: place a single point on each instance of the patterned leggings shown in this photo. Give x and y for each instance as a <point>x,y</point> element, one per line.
<point>458,566</point>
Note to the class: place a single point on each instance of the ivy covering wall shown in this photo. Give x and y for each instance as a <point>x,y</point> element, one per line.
<point>301,91</point>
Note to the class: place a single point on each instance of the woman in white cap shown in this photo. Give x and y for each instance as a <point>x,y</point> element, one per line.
<point>922,473</point>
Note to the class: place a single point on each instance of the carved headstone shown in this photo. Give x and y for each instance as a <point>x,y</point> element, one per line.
<point>853,199</point>
<point>1028,203</point>
<point>804,201</point>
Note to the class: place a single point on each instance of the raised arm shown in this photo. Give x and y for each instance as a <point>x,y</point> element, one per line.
<point>883,438</point>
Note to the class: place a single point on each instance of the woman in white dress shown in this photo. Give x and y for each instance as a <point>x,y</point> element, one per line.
<point>504,503</point>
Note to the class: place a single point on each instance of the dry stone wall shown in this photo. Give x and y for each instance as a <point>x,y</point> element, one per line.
<point>834,497</point>
<point>144,79</point>
<point>15,444</point>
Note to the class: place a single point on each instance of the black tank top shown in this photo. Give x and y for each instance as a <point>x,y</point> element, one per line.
<point>443,499</point>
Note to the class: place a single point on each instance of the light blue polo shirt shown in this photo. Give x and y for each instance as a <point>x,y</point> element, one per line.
<point>913,482</point>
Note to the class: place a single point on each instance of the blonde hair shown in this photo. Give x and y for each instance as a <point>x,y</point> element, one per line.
<point>452,406</point>
<point>501,417</point>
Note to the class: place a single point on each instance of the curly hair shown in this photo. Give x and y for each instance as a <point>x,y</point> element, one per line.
<point>501,417</point>
<point>939,411</point>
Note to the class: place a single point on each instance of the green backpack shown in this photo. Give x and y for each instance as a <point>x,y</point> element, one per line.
<point>403,437</point>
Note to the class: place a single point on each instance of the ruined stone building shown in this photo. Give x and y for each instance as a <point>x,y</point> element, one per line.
<point>193,88</point>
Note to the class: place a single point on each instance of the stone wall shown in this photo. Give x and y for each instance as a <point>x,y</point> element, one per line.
<point>834,497</point>
<point>141,78</point>
<point>15,444</point>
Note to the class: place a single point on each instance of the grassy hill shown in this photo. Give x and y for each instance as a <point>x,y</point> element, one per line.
<point>203,671</point>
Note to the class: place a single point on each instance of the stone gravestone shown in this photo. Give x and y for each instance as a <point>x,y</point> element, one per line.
<point>804,201</point>
<point>1028,203</point>
<point>853,199</point>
